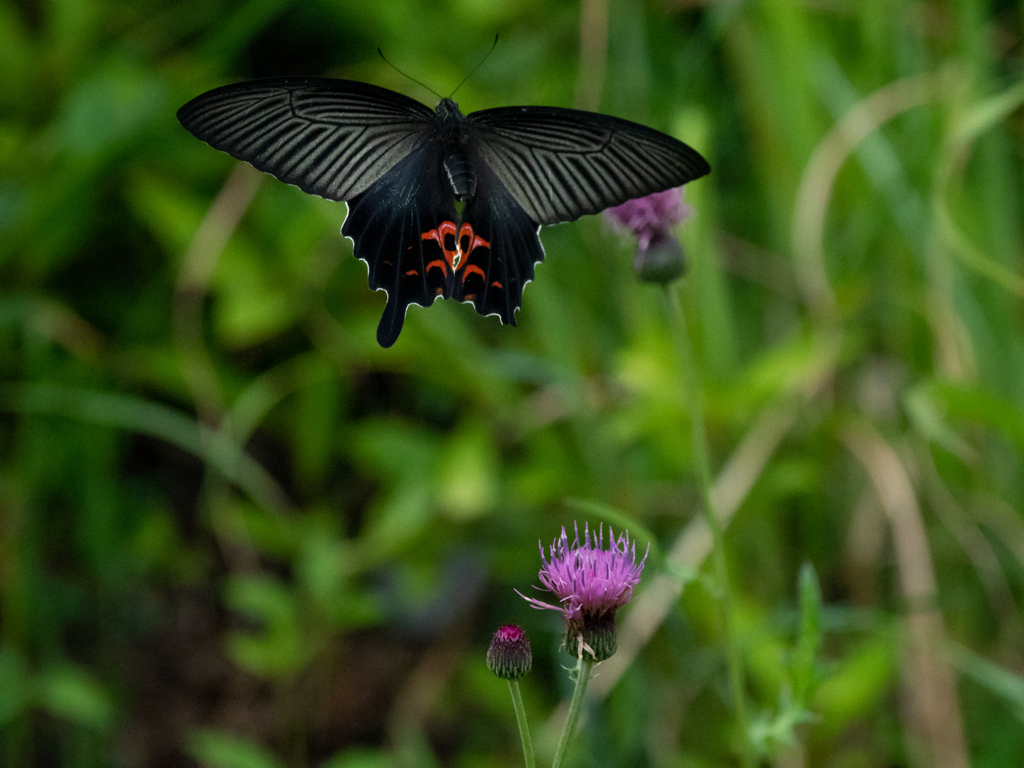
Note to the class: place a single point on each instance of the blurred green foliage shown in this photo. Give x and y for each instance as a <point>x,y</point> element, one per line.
<point>235,532</point>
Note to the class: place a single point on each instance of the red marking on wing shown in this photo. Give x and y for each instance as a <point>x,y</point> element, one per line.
<point>469,240</point>
<point>438,235</point>
<point>474,240</point>
<point>412,271</point>
<point>472,268</point>
<point>465,240</point>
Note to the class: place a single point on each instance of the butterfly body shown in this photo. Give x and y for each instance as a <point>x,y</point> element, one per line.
<point>401,166</point>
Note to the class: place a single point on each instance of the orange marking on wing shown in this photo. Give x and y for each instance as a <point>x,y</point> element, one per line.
<point>470,268</point>
<point>474,240</point>
<point>438,264</point>
<point>456,258</point>
<point>496,284</point>
<point>438,236</point>
<point>412,272</point>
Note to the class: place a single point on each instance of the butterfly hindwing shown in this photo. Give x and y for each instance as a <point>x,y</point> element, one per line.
<point>403,228</point>
<point>499,245</point>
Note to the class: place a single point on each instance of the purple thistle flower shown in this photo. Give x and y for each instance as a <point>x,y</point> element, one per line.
<point>659,256</point>
<point>591,583</point>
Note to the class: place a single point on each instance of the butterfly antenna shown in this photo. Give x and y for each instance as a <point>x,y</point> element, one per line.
<point>474,69</point>
<point>410,77</point>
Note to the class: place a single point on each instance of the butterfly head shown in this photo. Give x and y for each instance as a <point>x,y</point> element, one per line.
<point>448,115</point>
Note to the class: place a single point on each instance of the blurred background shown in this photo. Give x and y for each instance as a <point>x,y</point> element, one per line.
<point>235,532</point>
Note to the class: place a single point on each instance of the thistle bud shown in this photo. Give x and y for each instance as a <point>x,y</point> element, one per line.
<point>662,261</point>
<point>509,656</point>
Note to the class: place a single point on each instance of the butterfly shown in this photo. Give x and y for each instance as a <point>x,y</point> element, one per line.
<point>401,167</point>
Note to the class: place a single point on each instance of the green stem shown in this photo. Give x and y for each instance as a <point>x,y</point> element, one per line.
<point>583,668</point>
<point>524,728</point>
<point>699,439</point>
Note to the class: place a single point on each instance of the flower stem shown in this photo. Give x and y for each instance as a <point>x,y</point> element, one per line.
<point>583,668</point>
<point>524,728</point>
<point>699,438</point>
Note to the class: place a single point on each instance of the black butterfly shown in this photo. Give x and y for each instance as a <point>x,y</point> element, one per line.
<point>401,166</point>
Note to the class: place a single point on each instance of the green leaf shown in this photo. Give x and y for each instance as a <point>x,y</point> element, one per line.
<point>998,681</point>
<point>15,685</point>
<point>223,750</point>
<point>468,474</point>
<point>360,758</point>
<point>931,421</point>
<point>277,647</point>
<point>809,642</point>
<point>76,695</point>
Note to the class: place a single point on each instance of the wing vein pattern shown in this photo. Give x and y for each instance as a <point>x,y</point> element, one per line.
<point>331,138</point>
<point>561,164</point>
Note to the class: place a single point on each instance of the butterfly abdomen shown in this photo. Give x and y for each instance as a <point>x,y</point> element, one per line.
<point>460,175</point>
<point>450,124</point>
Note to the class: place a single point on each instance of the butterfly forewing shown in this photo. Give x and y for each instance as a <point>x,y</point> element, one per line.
<point>331,138</point>
<point>561,164</point>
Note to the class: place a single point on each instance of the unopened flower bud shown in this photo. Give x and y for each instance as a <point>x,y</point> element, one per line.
<point>662,261</point>
<point>509,656</point>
